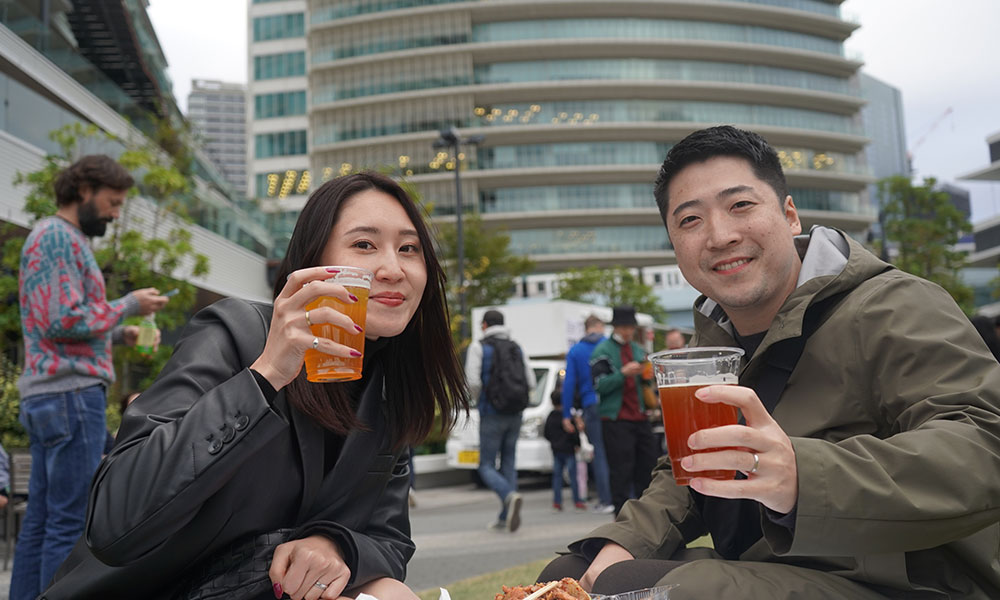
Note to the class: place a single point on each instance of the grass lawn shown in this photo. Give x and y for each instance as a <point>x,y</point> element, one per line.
<point>485,587</point>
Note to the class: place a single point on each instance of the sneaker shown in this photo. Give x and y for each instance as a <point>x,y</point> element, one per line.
<point>603,509</point>
<point>497,525</point>
<point>580,506</point>
<point>514,501</point>
<point>557,507</point>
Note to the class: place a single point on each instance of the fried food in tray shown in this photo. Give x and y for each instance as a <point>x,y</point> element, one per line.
<point>565,589</point>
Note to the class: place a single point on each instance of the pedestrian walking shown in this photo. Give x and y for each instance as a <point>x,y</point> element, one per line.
<point>564,447</point>
<point>578,383</point>
<point>500,378</point>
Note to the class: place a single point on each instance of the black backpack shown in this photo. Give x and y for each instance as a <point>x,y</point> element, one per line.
<point>507,388</point>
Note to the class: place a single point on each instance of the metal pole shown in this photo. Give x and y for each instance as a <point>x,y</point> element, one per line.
<point>460,244</point>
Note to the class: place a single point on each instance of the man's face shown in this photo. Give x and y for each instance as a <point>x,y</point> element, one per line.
<point>733,238</point>
<point>98,209</point>
<point>675,340</point>
<point>627,332</point>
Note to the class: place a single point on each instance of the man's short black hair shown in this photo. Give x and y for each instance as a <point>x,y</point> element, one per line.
<point>724,140</point>
<point>493,317</point>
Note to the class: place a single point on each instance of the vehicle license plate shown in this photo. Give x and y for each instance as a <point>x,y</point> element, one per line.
<point>468,457</point>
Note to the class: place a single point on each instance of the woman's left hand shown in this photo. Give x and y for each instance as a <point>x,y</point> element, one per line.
<point>310,568</point>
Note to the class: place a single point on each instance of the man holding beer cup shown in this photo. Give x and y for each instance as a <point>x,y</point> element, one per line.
<point>868,448</point>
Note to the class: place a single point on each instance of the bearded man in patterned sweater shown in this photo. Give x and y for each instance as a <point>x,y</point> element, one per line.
<point>68,326</point>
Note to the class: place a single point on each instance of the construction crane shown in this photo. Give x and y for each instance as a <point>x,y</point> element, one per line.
<point>909,153</point>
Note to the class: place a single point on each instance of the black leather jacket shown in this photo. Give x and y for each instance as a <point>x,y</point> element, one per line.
<point>203,459</point>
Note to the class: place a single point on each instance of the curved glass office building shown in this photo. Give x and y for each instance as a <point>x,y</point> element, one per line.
<point>578,101</point>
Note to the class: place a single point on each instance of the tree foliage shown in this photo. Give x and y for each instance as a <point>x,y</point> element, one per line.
<point>128,259</point>
<point>611,287</point>
<point>491,270</point>
<point>925,226</point>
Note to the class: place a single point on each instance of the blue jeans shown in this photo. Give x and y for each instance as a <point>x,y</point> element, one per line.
<point>602,478</point>
<point>498,435</point>
<point>562,461</point>
<point>67,432</point>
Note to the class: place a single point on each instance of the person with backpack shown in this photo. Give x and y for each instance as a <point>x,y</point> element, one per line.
<point>499,376</point>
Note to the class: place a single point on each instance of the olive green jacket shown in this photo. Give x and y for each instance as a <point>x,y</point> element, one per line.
<point>894,415</point>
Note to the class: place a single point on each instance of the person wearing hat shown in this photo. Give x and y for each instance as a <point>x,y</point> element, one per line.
<point>629,442</point>
<point>498,431</point>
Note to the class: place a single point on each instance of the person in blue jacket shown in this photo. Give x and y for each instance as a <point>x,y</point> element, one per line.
<point>578,383</point>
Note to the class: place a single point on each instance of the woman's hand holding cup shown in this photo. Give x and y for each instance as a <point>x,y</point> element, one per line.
<point>290,334</point>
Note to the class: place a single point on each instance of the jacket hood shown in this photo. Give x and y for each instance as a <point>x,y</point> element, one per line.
<point>832,263</point>
<point>499,331</point>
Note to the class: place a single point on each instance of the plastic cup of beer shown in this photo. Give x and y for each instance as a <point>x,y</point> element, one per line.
<point>679,373</point>
<point>321,367</point>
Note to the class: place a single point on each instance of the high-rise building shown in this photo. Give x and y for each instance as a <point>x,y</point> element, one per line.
<point>217,110</point>
<point>278,123</point>
<point>98,63</point>
<point>578,103</point>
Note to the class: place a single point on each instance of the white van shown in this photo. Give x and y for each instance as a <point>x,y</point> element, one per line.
<point>533,451</point>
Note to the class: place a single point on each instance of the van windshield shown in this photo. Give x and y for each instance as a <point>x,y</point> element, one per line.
<point>537,395</point>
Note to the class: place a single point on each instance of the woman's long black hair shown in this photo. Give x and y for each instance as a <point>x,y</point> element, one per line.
<point>425,373</point>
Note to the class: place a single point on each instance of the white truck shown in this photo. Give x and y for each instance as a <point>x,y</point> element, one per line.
<point>546,331</point>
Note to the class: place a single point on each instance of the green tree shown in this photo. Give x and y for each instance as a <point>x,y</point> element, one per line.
<point>128,259</point>
<point>611,287</point>
<point>490,268</point>
<point>925,226</point>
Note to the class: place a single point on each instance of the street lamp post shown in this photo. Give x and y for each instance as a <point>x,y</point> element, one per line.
<point>449,138</point>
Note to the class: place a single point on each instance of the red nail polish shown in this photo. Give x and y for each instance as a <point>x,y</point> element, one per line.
<point>332,270</point>
<point>355,353</point>
<point>358,327</point>
<point>277,590</point>
<point>353,297</point>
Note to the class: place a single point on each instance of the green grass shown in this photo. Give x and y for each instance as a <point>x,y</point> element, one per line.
<point>485,587</point>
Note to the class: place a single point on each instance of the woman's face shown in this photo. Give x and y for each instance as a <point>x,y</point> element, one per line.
<point>374,232</point>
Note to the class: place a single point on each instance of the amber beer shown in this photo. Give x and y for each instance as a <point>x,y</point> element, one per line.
<point>322,367</point>
<point>683,414</point>
<point>679,374</point>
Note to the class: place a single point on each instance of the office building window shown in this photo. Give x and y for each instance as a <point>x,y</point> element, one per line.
<point>281,104</point>
<point>273,66</point>
<point>277,27</point>
<point>281,143</point>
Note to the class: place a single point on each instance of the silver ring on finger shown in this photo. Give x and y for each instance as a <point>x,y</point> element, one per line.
<point>315,344</point>
<point>321,586</point>
<point>756,463</point>
<point>308,321</point>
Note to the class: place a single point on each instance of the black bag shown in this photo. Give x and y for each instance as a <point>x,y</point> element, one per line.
<point>507,387</point>
<point>237,572</point>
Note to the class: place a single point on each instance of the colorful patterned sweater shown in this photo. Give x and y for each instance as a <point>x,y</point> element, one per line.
<point>67,321</point>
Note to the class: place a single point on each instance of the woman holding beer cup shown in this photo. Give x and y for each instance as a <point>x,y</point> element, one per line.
<point>232,441</point>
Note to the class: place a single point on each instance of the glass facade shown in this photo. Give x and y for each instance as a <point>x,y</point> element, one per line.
<point>653,69</point>
<point>590,240</point>
<point>277,27</point>
<point>274,66</point>
<point>422,35</point>
<point>280,143</point>
<point>637,29</point>
<point>349,8</point>
<point>281,104</point>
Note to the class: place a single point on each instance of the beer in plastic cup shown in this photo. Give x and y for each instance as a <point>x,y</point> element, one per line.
<point>322,367</point>
<point>679,373</point>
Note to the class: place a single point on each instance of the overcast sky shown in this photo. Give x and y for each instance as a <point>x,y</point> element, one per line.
<point>937,52</point>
